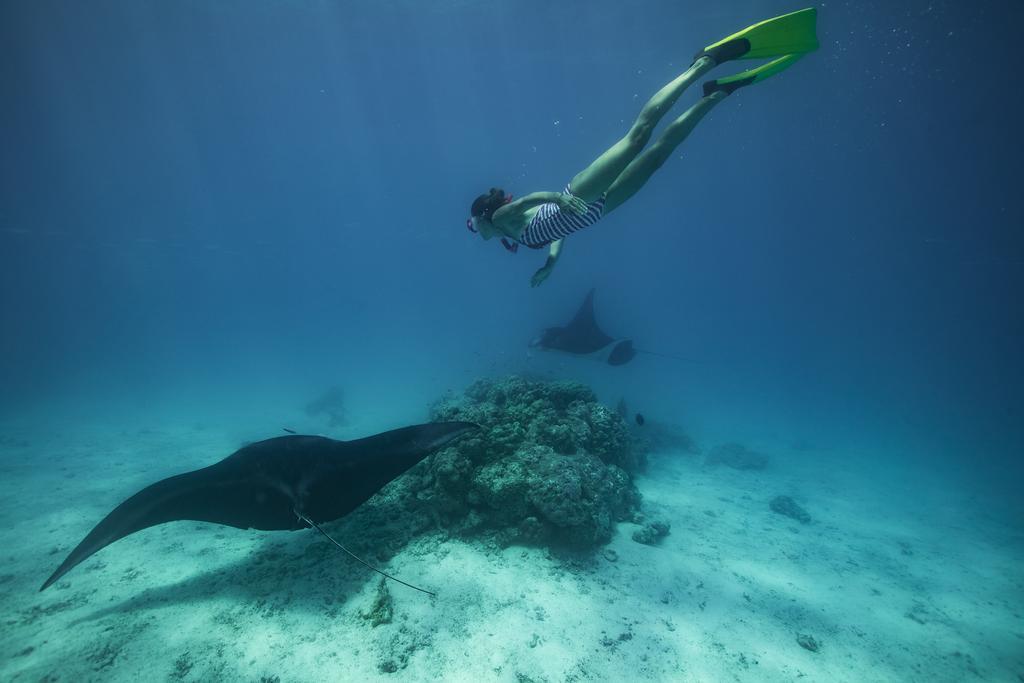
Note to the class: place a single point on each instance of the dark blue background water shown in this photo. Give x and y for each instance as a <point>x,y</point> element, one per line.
<point>229,202</point>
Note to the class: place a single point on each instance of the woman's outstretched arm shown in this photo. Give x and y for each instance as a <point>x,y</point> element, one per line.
<point>553,253</point>
<point>514,213</point>
<point>531,200</point>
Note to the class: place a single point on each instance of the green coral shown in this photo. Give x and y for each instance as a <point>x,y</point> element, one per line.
<point>564,415</point>
<point>381,610</point>
<point>551,464</point>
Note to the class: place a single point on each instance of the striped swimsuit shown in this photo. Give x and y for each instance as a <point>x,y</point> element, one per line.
<point>551,224</point>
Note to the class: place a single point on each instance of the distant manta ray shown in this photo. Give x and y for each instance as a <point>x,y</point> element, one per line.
<point>279,484</point>
<point>583,337</point>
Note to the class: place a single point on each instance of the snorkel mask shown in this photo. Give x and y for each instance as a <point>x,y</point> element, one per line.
<point>488,211</point>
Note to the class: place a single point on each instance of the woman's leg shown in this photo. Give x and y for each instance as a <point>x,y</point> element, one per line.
<point>643,166</point>
<point>590,183</point>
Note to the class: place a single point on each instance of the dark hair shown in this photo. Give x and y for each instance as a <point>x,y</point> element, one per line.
<point>485,205</point>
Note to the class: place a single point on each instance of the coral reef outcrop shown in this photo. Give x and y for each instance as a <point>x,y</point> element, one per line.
<point>551,465</point>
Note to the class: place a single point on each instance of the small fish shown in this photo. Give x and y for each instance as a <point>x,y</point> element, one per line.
<point>290,431</point>
<point>640,419</point>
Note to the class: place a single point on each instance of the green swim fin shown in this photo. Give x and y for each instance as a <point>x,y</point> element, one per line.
<point>731,83</point>
<point>793,33</point>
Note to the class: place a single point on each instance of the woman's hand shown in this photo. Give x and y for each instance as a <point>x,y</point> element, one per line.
<point>540,276</point>
<point>573,203</point>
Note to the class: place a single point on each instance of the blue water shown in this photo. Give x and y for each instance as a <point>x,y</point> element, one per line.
<point>211,211</point>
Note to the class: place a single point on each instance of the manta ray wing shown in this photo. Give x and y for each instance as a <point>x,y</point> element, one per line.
<point>583,335</point>
<point>270,484</point>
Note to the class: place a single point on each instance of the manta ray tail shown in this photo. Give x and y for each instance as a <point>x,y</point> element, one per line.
<point>355,557</point>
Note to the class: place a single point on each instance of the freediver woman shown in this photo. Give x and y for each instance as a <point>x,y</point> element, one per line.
<point>545,219</point>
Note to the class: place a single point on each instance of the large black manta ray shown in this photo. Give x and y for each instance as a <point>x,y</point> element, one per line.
<point>583,337</point>
<point>285,483</point>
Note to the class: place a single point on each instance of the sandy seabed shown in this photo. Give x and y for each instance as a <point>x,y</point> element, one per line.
<point>895,579</point>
